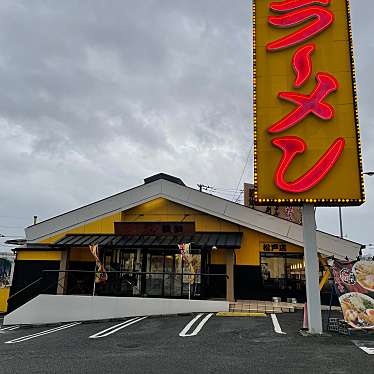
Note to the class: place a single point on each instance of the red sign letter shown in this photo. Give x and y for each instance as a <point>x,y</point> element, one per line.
<point>287,5</point>
<point>291,146</point>
<point>323,19</point>
<point>302,64</point>
<point>308,104</point>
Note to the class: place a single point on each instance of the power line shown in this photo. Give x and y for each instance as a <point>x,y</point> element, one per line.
<point>11,227</point>
<point>245,165</point>
<point>239,196</point>
<point>15,217</point>
<point>223,189</point>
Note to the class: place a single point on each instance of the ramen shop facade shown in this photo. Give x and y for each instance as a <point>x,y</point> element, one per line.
<point>238,252</point>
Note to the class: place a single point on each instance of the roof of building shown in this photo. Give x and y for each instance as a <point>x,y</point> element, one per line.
<point>225,240</point>
<point>161,187</point>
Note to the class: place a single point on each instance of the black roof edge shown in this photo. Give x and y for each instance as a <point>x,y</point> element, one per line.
<point>164,176</point>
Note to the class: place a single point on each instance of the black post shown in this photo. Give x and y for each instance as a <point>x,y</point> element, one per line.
<point>330,305</point>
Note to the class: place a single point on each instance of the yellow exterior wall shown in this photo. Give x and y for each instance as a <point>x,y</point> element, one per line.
<point>162,210</point>
<point>218,257</point>
<point>4,295</point>
<point>80,254</point>
<point>39,255</point>
<point>101,226</point>
<point>249,253</point>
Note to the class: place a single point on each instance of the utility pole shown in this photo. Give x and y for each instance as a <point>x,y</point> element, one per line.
<point>203,187</point>
<point>340,222</point>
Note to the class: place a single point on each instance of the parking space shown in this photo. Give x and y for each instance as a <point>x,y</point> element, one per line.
<point>201,342</point>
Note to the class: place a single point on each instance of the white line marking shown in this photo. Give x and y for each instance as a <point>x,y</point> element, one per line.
<point>111,330</point>
<point>184,334</point>
<point>276,325</point>
<point>189,324</point>
<point>368,350</point>
<point>45,332</point>
<point>9,328</point>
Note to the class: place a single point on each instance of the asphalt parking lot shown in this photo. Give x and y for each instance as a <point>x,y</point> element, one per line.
<point>196,343</point>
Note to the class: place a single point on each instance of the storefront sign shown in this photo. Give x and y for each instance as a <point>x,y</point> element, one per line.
<point>306,133</point>
<point>354,284</point>
<point>273,247</point>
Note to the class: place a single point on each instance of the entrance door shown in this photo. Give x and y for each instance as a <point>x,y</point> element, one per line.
<point>155,280</point>
<point>165,277</point>
<point>169,278</point>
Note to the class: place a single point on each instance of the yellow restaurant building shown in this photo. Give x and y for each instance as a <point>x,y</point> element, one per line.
<point>237,252</point>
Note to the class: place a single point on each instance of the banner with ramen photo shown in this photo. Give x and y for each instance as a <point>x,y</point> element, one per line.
<point>354,284</point>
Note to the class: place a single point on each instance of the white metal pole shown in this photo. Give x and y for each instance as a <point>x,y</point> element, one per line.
<point>138,267</point>
<point>94,286</point>
<point>311,270</point>
<point>189,291</point>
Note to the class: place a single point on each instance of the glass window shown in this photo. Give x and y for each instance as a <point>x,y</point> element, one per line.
<point>283,271</point>
<point>155,264</point>
<point>166,228</point>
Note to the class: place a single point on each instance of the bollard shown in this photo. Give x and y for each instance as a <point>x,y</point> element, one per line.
<point>305,320</point>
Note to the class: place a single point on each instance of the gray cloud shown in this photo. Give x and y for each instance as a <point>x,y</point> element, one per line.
<point>97,95</point>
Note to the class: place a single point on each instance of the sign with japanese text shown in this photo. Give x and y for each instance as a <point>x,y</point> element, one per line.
<point>273,247</point>
<point>354,284</point>
<point>306,133</point>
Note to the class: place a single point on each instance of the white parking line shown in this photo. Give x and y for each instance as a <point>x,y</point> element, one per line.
<point>184,334</point>
<point>9,328</point>
<point>113,329</point>
<point>367,347</point>
<point>45,332</point>
<point>276,325</point>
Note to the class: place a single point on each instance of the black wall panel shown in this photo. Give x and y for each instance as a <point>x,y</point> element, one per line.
<point>216,285</point>
<point>247,281</point>
<point>25,273</point>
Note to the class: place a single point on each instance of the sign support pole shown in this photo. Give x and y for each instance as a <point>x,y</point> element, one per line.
<point>311,270</point>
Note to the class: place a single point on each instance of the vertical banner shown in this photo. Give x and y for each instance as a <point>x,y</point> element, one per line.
<point>100,276</point>
<point>185,250</point>
<point>354,284</point>
<point>306,132</point>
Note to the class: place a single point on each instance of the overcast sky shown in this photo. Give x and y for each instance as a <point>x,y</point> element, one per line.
<point>97,95</point>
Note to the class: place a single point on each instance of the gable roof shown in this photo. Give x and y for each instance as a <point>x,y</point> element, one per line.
<point>194,199</point>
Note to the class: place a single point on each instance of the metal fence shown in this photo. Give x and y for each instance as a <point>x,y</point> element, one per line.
<point>118,283</point>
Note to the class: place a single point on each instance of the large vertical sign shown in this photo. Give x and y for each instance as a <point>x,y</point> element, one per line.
<point>306,133</point>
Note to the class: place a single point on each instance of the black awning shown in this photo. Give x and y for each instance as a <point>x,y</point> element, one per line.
<point>229,240</point>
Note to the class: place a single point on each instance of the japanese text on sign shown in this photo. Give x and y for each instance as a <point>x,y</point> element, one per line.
<point>305,142</point>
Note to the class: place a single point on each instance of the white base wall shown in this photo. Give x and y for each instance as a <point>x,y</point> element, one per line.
<point>68,308</point>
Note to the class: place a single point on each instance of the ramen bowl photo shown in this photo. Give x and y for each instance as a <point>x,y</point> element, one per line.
<point>358,310</point>
<point>364,272</point>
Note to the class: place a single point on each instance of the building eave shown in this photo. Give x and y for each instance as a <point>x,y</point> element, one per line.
<point>194,199</point>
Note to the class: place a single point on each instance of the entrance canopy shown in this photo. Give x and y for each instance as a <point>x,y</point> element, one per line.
<point>207,240</point>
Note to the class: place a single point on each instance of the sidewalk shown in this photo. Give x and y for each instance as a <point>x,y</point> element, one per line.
<point>259,305</point>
